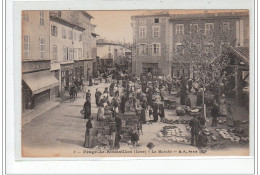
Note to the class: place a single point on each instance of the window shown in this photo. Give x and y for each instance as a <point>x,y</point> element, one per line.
<point>109,48</point>
<point>42,47</point>
<point>70,35</point>
<point>209,48</point>
<point>209,28</point>
<point>142,49</point>
<point>156,20</point>
<point>75,54</point>
<point>156,31</point>
<point>80,53</point>
<point>109,55</point>
<point>80,37</point>
<point>54,30</point>
<point>225,27</point>
<point>142,21</point>
<point>64,33</point>
<point>26,48</point>
<point>75,37</point>
<point>42,18</point>
<point>65,53</point>
<point>25,16</point>
<point>156,49</point>
<point>55,56</point>
<point>71,53</point>
<point>194,29</point>
<point>142,31</point>
<point>179,49</point>
<point>179,29</point>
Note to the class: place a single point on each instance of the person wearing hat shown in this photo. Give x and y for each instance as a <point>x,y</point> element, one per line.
<point>88,95</point>
<point>98,95</point>
<point>222,106</point>
<point>113,135</point>
<point>195,127</point>
<point>214,113</point>
<point>87,109</point>
<point>199,98</point>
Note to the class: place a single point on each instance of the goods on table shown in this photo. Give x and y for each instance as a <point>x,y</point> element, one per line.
<point>225,134</point>
<point>220,121</point>
<point>171,121</point>
<point>172,134</point>
<point>180,111</point>
<point>193,111</point>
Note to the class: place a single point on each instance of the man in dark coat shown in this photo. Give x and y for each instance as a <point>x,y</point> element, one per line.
<point>90,80</point>
<point>169,87</point>
<point>214,113</point>
<point>88,95</point>
<point>118,124</point>
<point>195,127</point>
<point>161,111</point>
<point>122,105</point>
<point>155,112</point>
<point>87,109</point>
<point>98,94</point>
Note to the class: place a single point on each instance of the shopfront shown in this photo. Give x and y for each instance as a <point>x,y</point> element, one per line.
<point>67,78</point>
<point>150,67</point>
<point>37,88</point>
<point>79,69</point>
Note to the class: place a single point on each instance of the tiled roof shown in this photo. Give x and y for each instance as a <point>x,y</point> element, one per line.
<point>242,52</point>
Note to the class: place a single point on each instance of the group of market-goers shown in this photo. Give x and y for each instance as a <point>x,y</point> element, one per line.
<point>146,94</point>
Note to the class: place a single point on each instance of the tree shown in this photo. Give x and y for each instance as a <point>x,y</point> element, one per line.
<point>203,50</point>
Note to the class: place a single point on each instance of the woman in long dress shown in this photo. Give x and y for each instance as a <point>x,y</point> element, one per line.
<point>222,106</point>
<point>88,135</point>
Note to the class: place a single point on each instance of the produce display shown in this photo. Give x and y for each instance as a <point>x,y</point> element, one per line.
<point>171,121</point>
<point>172,134</point>
<point>180,111</point>
<point>234,135</point>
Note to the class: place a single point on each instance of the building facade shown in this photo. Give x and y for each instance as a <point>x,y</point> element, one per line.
<point>111,53</point>
<point>208,32</point>
<point>83,62</point>
<point>163,43</point>
<point>38,84</point>
<point>150,44</point>
<point>66,49</point>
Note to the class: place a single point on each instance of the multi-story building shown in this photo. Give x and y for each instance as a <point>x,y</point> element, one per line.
<point>211,31</point>
<point>66,47</point>
<point>110,53</point>
<point>38,84</point>
<point>162,40</point>
<point>150,44</point>
<point>83,62</point>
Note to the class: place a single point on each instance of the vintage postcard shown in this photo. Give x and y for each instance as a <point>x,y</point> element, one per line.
<point>135,83</point>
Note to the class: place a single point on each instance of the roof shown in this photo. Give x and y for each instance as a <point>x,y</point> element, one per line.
<point>67,23</point>
<point>94,34</point>
<point>86,14</point>
<point>40,81</point>
<point>242,53</point>
<point>222,15</point>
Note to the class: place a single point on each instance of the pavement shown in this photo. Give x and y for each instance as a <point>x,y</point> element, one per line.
<point>60,131</point>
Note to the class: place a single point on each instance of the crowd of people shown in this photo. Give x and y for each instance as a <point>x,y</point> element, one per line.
<point>146,94</point>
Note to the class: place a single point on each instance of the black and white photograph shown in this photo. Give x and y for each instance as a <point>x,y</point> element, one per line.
<point>135,83</point>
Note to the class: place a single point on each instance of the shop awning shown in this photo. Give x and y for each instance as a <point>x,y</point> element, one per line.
<point>40,81</point>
